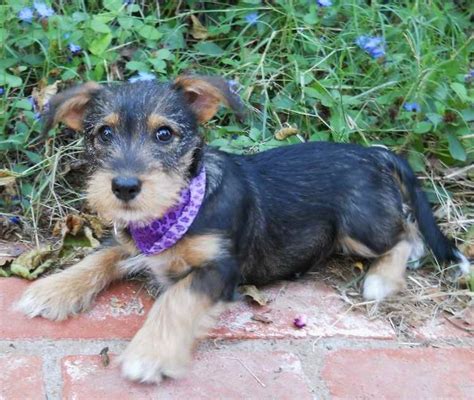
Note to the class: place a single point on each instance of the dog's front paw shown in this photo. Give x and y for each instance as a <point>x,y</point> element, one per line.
<point>150,360</point>
<point>55,297</point>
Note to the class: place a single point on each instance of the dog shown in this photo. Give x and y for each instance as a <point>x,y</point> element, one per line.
<point>202,221</point>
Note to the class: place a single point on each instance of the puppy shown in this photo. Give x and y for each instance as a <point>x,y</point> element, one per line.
<point>203,221</point>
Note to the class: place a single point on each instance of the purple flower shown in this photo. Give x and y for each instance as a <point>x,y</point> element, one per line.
<point>26,15</point>
<point>2,91</point>
<point>43,9</point>
<point>324,3</point>
<point>142,76</point>
<point>74,48</point>
<point>252,18</point>
<point>412,107</point>
<point>300,321</point>
<point>374,46</point>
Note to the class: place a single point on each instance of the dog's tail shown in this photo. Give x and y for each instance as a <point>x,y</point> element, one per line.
<point>442,247</point>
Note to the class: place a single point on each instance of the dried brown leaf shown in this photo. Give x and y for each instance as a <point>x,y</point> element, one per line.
<point>255,294</point>
<point>104,356</point>
<point>284,133</point>
<point>261,318</point>
<point>43,95</point>
<point>198,31</point>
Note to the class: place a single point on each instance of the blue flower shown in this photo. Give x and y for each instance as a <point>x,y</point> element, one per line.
<point>26,14</point>
<point>32,101</point>
<point>324,3</point>
<point>127,2</point>
<point>252,18</point>
<point>15,220</point>
<point>412,107</point>
<point>234,86</point>
<point>374,46</point>
<point>43,9</point>
<point>2,91</point>
<point>142,76</point>
<point>469,77</point>
<point>74,48</point>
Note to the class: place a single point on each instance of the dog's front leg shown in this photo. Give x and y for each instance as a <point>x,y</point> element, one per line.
<point>163,346</point>
<point>72,290</point>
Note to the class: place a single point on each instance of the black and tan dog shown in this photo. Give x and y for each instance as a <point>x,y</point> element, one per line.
<point>263,217</point>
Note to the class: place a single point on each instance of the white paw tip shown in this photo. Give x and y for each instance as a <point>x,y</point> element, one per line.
<point>377,288</point>
<point>139,371</point>
<point>464,264</point>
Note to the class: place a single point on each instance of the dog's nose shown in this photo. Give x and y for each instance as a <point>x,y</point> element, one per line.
<point>126,188</point>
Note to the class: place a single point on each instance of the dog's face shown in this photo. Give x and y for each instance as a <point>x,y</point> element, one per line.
<point>142,140</point>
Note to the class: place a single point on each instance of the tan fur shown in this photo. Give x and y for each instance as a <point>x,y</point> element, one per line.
<point>71,110</point>
<point>386,276</point>
<point>156,121</point>
<point>354,247</point>
<point>112,119</point>
<point>72,290</point>
<point>190,252</point>
<point>159,192</point>
<point>164,344</point>
<point>203,97</point>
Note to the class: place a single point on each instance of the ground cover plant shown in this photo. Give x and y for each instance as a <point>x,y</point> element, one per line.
<point>398,74</point>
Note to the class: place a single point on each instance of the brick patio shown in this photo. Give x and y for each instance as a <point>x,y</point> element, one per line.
<point>340,354</point>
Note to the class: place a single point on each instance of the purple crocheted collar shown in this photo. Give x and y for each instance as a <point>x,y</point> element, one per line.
<point>163,233</point>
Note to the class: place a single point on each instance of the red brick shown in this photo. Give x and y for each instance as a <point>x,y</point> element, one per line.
<point>424,373</point>
<point>327,315</point>
<point>214,375</point>
<point>21,378</point>
<point>440,328</point>
<point>120,311</point>
<point>117,313</point>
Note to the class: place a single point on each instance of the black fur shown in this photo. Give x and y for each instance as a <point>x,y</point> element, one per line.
<point>284,210</point>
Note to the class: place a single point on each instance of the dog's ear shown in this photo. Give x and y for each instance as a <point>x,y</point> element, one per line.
<point>204,94</point>
<point>69,106</point>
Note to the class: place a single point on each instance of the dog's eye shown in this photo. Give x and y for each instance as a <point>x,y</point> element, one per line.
<point>164,134</point>
<point>105,134</point>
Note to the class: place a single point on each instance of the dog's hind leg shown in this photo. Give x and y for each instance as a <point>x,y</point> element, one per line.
<point>386,276</point>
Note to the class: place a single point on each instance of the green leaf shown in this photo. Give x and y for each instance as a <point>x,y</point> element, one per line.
<point>456,148</point>
<point>113,5</point>
<point>126,22</point>
<point>136,66</point>
<point>318,91</point>
<point>23,104</point>
<point>9,80</point>
<point>460,90</point>
<point>164,54</point>
<point>416,161</point>
<point>423,127</point>
<point>149,32</point>
<point>100,45</point>
<point>434,118</point>
<point>99,26</point>
<point>209,48</point>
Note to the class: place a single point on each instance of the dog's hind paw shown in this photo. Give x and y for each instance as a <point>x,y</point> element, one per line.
<point>464,263</point>
<point>378,287</point>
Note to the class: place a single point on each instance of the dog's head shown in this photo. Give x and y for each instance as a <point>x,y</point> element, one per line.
<point>141,138</point>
